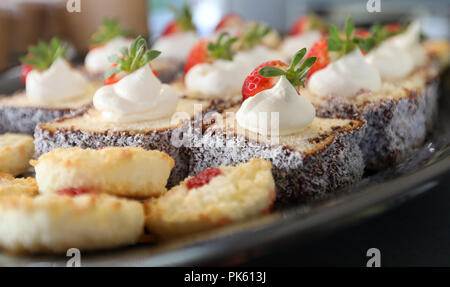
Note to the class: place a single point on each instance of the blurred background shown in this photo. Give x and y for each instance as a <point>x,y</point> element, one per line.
<point>24,22</point>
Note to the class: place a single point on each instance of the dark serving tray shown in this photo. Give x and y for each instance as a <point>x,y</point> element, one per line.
<point>373,195</point>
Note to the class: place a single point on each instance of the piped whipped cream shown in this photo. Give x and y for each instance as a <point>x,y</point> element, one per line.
<point>96,60</point>
<point>58,83</point>
<point>279,110</point>
<point>398,56</point>
<point>291,44</point>
<point>256,56</point>
<point>137,97</point>
<point>345,77</point>
<point>176,46</point>
<point>220,79</point>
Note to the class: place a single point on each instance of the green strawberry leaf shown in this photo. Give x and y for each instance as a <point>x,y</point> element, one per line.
<point>221,49</point>
<point>42,55</point>
<point>132,59</point>
<point>183,17</point>
<point>296,76</point>
<point>109,29</point>
<point>254,36</point>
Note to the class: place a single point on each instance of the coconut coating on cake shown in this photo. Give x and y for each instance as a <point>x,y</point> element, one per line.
<point>16,150</point>
<point>398,116</point>
<point>322,158</point>
<point>88,130</point>
<point>55,223</point>
<point>237,193</point>
<point>122,171</point>
<point>17,186</point>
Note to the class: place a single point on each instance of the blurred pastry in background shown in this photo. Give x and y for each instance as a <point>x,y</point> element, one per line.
<point>17,186</point>
<point>53,89</point>
<point>175,43</point>
<point>16,150</point>
<point>303,34</point>
<point>109,38</point>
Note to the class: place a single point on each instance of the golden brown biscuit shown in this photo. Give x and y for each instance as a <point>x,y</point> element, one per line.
<point>54,223</point>
<point>17,186</point>
<point>16,151</point>
<point>237,193</point>
<point>122,171</point>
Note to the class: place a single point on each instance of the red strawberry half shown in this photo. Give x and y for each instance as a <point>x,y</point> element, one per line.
<point>24,70</point>
<point>197,55</point>
<point>320,51</point>
<point>255,83</point>
<point>267,74</point>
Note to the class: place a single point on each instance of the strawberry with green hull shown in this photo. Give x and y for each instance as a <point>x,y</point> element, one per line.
<point>206,52</point>
<point>106,41</point>
<point>308,23</point>
<point>130,60</point>
<point>267,74</point>
<point>41,57</point>
<point>181,23</point>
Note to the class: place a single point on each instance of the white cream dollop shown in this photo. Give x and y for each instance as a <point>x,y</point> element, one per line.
<point>176,46</point>
<point>294,112</point>
<point>398,56</point>
<point>256,56</point>
<point>345,77</point>
<point>58,83</point>
<point>291,44</point>
<point>137,97</point>
<point>96,60</point>
<point>220,79</point>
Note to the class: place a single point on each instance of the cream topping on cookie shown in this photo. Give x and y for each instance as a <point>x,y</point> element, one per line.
<point>176,46</point>
<point>345,77</point>
<point>97,59</point>
<point>259,113</point>
<point>256,56</point>
<point>136,97</point>
<point>59,82</point>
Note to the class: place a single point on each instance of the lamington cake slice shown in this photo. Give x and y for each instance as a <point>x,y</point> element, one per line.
<point>89,130</point>
<point>398,115</point>
<point>323,157</point>
<point>19,114</point>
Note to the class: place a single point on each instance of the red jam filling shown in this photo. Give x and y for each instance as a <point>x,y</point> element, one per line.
<point>73,191</point>
<point>202,178</point>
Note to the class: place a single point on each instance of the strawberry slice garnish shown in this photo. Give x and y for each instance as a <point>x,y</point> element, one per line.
<point>267,74</point>
<point>182,22</point>
<point>130,60</point>
<point>202,178</point>
<point>42,56</point>
<point>307,23</point>
<point>394,27</point>
<point>206,52</point>
<point>320,51</point>
<point>228,21</point>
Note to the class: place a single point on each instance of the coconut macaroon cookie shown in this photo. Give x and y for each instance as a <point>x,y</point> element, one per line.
<point>122,171</point>
<point>213,197</point>
<point>55,223</point>
<point>16,151</point>
<point>17,186</point>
